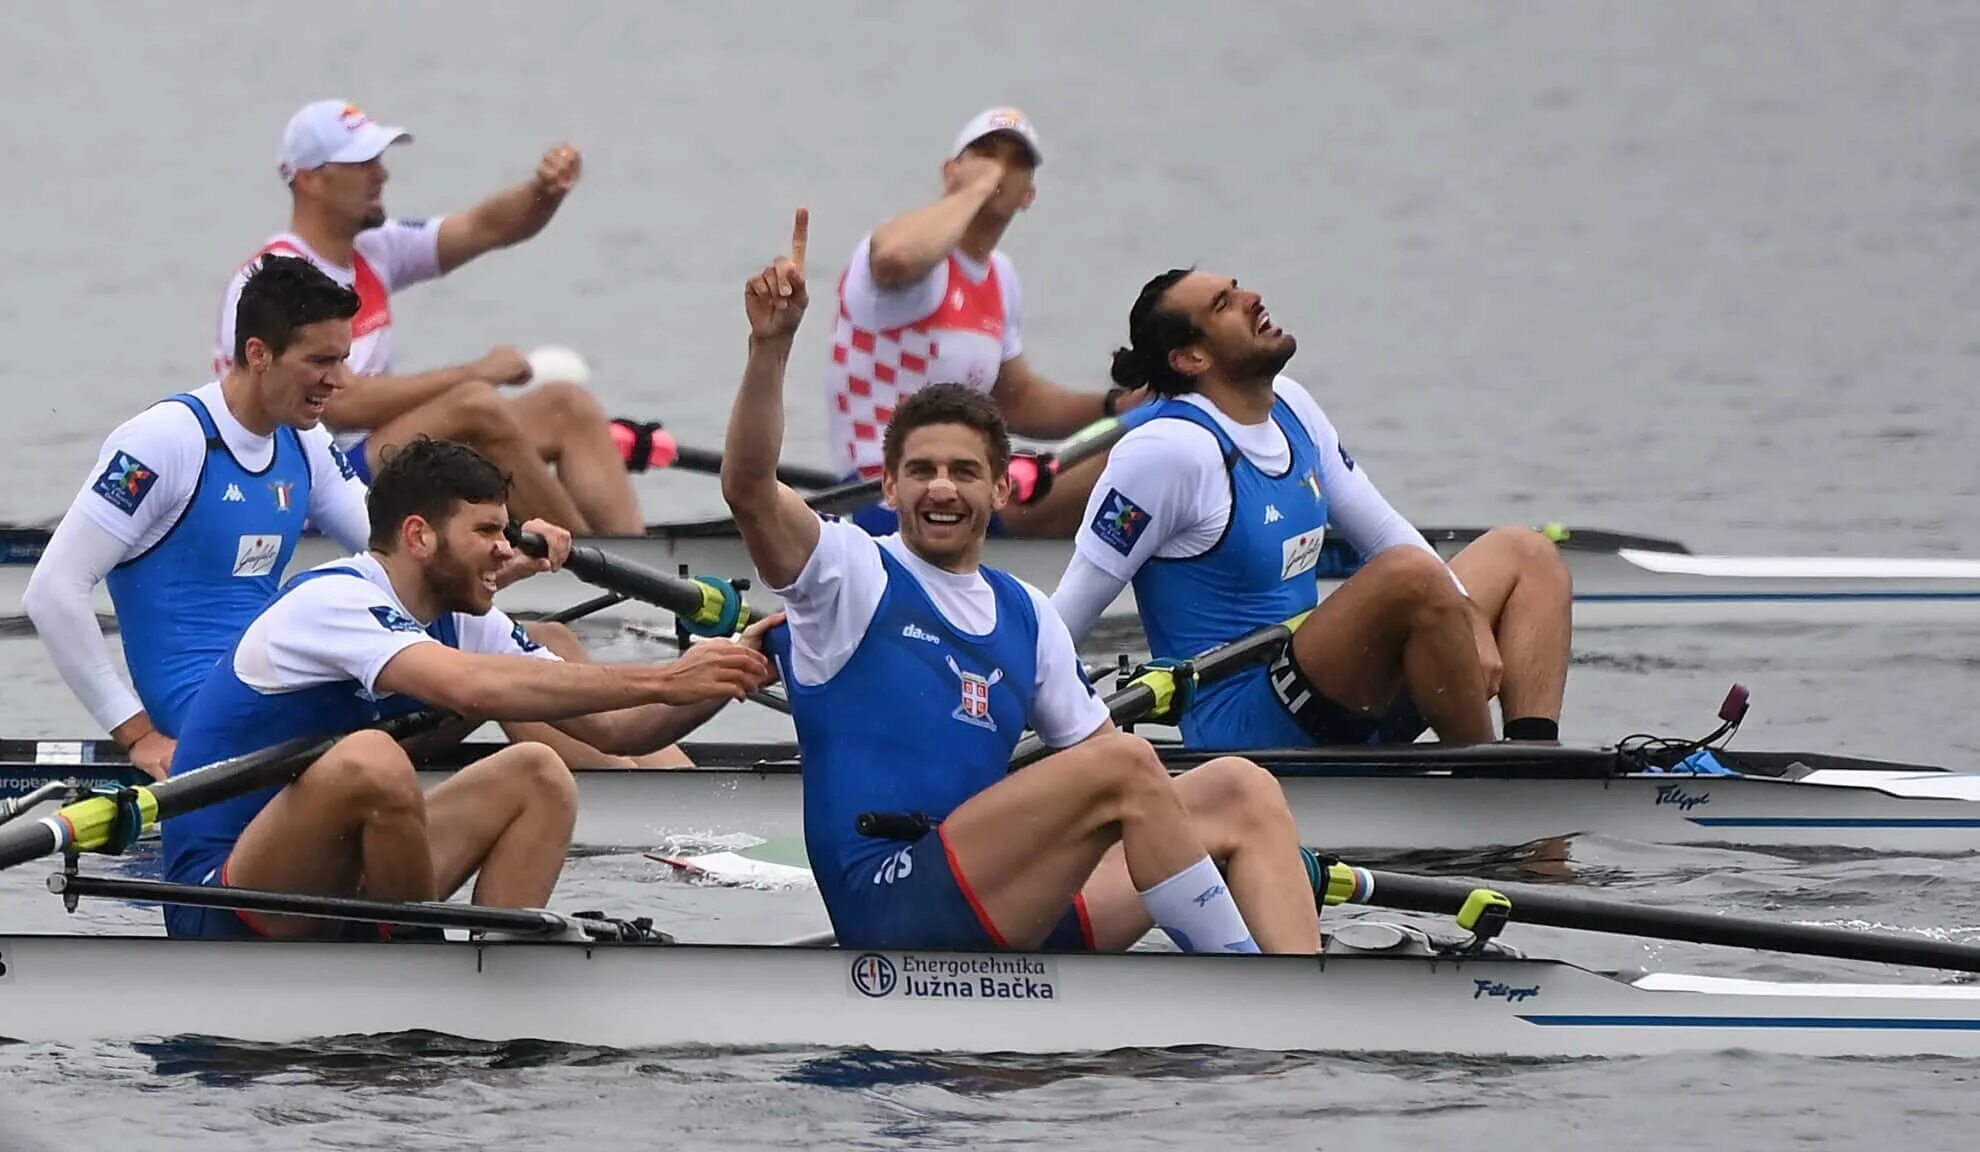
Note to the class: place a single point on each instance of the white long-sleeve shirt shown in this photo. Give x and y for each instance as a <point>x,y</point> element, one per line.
<point>1174,471</point>
<point>96,536</point>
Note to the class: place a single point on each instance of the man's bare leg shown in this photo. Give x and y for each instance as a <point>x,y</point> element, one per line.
<point>574,752</point>
<point>1239,812</point>
<point>571,430</point>
<point>476,414</point>
<point>508,816</point>
<point>1399,623</point>
<point>1057,516</point>
<point>1029,843</point>
<point>1517,578</point>
<point>356,813</point>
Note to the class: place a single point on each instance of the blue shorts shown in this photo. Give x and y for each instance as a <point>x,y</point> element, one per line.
<point>928,904</point>
<point>228,924</point>
<point>1247,711</point>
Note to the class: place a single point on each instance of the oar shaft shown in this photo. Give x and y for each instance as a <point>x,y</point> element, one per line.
<point>86,825</point>
<point>701,602</point>
<point>1532,905</point>
<point>796,475</point>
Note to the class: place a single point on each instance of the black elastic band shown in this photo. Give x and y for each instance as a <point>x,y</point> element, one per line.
<point>641,453</point>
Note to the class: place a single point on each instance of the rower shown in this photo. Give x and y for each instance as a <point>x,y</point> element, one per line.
<point>1215,508</point>
<point>332,161</point>
<point>913,670</point>
<point>194,508</point>
<point>928,296</point>
<point>412,622</point>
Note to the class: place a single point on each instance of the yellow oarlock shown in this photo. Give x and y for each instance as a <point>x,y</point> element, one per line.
<point>90,822</point>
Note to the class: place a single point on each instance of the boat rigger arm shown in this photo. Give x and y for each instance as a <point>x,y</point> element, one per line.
<point>80,556</point>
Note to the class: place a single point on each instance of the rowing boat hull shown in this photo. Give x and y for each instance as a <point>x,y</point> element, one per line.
<point>76,989</point>
<point>1428,799</point>
<point>1613,587</point>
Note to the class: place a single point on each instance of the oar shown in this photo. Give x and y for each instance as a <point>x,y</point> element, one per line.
<point>1346,884</point>
<point>101,822</point>
<point>1083,445</point>
<point>709,461</point>
<point>1154,693</point>
<point>708,605</point>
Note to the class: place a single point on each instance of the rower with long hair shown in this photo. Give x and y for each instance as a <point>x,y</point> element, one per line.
<point>1215,507</point>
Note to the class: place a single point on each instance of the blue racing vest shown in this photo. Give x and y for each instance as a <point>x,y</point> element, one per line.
<point>923,717</point>
<point>227,718</point>
<point>1259,573</point>
<point>183,602</point>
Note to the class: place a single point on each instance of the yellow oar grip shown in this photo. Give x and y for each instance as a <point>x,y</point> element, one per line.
<point>91,820</point>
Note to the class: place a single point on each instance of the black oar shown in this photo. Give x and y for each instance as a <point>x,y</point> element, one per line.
<point>113,821</point>
<point>1083,445</point>
<point>1346,884</point>
<point>1154,693</point>
<point>707,605</point>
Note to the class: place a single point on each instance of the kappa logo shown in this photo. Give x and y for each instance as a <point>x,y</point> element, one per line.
<point>975,706</point>
<point>1272,514</point>
<point>913,633</point>
<point>257,554</point>
<point>125,482</point>
<point>233,495</point>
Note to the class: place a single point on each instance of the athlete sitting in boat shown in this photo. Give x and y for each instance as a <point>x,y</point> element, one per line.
<point>333,163</point>
<point>194,508</point>
<point>379,634</point>
<point>1215,508</point>
<point>912,672</point>
<point>929,296</point>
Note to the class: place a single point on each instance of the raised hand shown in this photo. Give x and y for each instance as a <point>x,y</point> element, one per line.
<point>503,365</point>
<point>557,173</point>
<point>775,298</point>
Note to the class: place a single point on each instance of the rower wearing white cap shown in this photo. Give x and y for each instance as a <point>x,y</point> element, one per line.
<point>928,298</point>
<point>332,161</point>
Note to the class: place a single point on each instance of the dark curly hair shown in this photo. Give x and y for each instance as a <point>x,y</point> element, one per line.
<point>428,478</point>
<point>949,404</point>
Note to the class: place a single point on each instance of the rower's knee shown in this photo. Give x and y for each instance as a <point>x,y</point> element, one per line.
<point>1531,554</point>
<point>481,414</point>
<point>544,778</point>
<point>1128,768</point>
<point>1237,795</point>
<point>1421,586</point>
<point>375,773</point>
<point>568,405</point>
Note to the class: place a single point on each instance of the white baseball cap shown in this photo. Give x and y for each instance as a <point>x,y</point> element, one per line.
<point>333,132</point>
<point>994,120</point>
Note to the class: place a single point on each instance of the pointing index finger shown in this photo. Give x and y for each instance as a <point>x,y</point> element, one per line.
<point>800,237</point>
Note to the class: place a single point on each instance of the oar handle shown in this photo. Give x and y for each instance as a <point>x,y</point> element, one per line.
<point>1162,690</point>
<point>710,606</point>
<point>1530,905</point>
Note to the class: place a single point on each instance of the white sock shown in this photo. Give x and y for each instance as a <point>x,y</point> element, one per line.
<point>1195,908</point>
